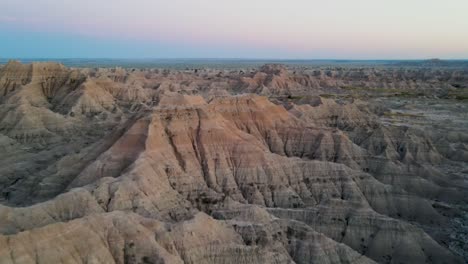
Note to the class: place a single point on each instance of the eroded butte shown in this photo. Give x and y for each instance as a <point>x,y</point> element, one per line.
<point>272,165</point>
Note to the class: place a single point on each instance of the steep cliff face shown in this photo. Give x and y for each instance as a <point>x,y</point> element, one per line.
<point>139,169</point>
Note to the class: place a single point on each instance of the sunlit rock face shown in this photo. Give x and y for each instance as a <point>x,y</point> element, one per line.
<point>277,165</point>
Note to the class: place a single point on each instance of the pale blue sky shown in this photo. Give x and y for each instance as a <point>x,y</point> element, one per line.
<point>303,29</point>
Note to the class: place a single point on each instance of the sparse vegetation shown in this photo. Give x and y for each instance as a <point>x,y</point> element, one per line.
<point>385,92</point>
<point>295,97</point>
<point>400,114</point>
<point>458,94</point>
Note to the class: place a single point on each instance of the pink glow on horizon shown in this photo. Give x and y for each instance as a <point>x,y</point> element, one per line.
<point>361,28</point>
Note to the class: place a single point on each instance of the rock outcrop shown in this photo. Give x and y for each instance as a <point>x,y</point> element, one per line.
<point>150,166</point>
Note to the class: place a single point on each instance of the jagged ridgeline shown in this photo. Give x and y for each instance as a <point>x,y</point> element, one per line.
<point>268,165</point>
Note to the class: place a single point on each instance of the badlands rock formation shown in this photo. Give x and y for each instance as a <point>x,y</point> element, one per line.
<point>160,166</point>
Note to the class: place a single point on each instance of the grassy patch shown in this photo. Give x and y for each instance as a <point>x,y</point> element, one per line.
<point>385,92</point>
<point>458,94</point>
<point>353,88</point>
<point>295,97</point>
<point>400,114</point>
<point>328,95</point>
<point>462,97</point>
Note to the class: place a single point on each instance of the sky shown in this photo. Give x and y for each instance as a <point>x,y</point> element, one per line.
<point>264,29</point>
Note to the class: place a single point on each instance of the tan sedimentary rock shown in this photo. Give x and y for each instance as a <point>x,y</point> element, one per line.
<point>152,166</point>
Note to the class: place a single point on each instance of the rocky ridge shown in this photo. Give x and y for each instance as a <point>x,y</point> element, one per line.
<point>159,166</point>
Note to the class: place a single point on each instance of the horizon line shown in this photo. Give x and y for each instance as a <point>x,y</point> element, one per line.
<point>222,58</point>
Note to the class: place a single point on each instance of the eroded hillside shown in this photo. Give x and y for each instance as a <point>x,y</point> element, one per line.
<point>206,166</point>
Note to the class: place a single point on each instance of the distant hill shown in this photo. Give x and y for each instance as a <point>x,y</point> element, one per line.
<point>434,63</point>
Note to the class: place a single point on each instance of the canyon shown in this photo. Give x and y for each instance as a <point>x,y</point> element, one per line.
<point>276,164</point>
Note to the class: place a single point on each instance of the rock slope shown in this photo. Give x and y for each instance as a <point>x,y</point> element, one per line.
<point>158,166</point>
